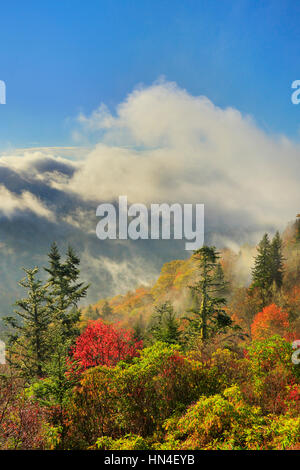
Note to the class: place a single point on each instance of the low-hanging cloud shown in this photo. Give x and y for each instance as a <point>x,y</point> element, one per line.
<point>165,145</point>
<point>12,204</point>
<point>160,145</point>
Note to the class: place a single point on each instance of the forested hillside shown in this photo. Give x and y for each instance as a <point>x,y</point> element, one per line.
<point>205,358</point>
<point>243,287</point>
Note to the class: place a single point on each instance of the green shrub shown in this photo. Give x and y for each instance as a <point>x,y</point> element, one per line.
<point>137,398</point>
<point>128,442</point>
<point>227,422</point>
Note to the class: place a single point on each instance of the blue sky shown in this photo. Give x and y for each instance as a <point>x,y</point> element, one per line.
<point>60,58</point>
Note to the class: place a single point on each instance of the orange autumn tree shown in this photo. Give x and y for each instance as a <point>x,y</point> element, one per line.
<point>270,321</point>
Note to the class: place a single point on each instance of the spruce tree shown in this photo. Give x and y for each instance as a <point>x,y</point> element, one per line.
<point>91,314</point>
<point>139,330</point>
<point>297,229</point>
<point>65,290</point>
<point>262,271</point>
<point>297,244</point>
<point>164,325</point>
<point>277,269</point>
<point>210,317</point>
<point>106,310</point>
<point>61,376</point>
<point>28,344</point>
<point>97,314</point>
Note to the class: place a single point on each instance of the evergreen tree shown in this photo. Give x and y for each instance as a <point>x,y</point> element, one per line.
<point>164,325</point>
<point>89,313</point>
<point>65,290</point>
<point>106,310</point>
<point>139,330</point>
<point>210,317</point>
<point>220,280</point>
<point>297,244</point>
<point>55,390</point>
<point>97,314</point>
<point>262,271</point>
<point>92,314</point>
<point>276,261</point>
<point>297,228</point>
<point>28,345</point>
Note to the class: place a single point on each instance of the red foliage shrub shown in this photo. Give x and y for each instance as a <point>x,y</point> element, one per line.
<point>102,344</point>
<point>272,320</point>
<point>21,420</point>
<point>22,427</point>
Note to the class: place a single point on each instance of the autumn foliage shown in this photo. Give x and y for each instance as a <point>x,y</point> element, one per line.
<point>103,344</point>
<point>105,389</point>
<point>271,320</point>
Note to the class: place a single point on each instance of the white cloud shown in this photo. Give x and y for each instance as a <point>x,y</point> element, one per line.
<point>12,203</point>
<point>161,145</point>
<point>165,145</point>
